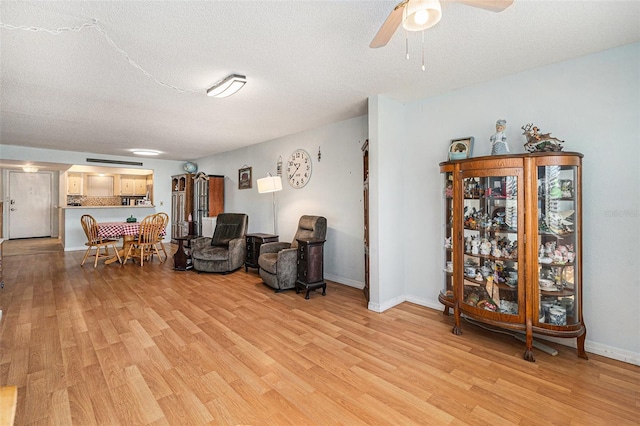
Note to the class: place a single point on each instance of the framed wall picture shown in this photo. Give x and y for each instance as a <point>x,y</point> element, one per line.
<point>244,177</point>
<point>459,149</point>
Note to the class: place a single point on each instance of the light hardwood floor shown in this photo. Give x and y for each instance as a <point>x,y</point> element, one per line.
<point>150,346</point>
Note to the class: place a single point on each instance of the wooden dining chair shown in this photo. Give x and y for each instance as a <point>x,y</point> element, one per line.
<point>146,242</point>
<point>90,227</point>
<point>165,223</point>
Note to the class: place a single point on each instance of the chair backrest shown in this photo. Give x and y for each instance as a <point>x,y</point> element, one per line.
<point>90,228</point>
<point>229,226</point>
<point>310,227</point>
<point>150,228</point>
<point>165,219</point>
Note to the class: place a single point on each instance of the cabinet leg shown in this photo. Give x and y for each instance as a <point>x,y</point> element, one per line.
<point>457,330</point>
<point>528,353</point>
<point>306,296</point>
<point>324,290</point>
<point>580,345</point>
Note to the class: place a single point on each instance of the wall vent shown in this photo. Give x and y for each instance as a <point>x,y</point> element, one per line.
<point>124,163</point>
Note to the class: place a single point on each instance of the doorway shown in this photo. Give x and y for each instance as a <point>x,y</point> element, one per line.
<point>29,209</point>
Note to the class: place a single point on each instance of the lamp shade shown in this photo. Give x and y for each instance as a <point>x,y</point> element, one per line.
<point>269,184</point>
<point>421,14</point>
<point>228,86</point>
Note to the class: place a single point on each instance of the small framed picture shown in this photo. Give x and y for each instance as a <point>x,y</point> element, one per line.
<point>244,178</point>
<point>459,149</point>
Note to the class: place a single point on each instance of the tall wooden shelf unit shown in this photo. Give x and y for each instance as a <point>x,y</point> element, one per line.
<point>181,205</point>
<point>513,244</point>
<point>196,197</point>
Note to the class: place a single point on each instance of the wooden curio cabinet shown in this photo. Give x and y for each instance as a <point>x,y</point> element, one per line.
<point>513,244</point>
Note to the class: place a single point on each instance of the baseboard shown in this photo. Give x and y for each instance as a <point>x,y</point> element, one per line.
<point>381,307</point>
<point>346,281</point>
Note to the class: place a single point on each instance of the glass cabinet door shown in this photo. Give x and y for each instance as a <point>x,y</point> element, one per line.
<point>491,223</point>
<point>447,291</point>
<point>557,280</point>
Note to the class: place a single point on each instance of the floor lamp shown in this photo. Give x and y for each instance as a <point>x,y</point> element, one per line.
<point>271,184</point>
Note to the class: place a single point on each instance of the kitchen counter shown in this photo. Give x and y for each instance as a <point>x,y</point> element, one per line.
<point>73,237</point>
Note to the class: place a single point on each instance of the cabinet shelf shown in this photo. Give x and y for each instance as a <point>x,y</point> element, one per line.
<point>489,257</point>
<point>472,282</point>
<point>485,201</point>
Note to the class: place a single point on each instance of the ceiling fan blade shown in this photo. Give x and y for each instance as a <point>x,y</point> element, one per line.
<point>389,27</point>
<point>492,5</point>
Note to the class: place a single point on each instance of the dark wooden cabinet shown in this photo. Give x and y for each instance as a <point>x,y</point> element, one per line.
<point>181,258</point>
<point>310,266</point>
<point>254,241</point>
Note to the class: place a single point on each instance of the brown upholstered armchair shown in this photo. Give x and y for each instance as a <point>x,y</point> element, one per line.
<point>226,251</point>
<point>278,261</point>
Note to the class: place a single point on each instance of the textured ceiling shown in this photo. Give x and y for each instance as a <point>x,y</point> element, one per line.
<point>307,63</point>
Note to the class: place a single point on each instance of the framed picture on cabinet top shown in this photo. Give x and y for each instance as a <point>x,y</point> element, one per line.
<point>244,177</point>
<point>459,149</point>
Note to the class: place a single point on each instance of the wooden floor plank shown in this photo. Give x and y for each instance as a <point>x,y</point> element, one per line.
<point>151,346</point>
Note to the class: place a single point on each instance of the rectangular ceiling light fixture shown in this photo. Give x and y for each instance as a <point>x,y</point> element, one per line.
<point>228,86</point>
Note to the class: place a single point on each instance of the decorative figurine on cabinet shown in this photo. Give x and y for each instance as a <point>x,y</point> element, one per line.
<point>540,142</point>
<point>499,139</point>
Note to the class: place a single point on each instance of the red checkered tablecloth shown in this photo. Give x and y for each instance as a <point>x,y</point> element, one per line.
<point>118,229</point>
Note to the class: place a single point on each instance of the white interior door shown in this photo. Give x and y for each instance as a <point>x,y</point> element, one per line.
<point>29,204</point>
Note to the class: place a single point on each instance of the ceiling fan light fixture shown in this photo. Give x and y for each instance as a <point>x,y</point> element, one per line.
<point>228,86</point>
<point>421,14</point>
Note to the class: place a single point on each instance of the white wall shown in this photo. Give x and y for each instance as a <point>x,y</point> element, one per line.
<point>593,103</point>
<point>334,191</point>
<point>388,225</point>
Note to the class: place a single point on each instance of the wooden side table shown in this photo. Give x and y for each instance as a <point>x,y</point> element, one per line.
<point>254,241</point>
<point>310,265</point>
<point>181,260</point>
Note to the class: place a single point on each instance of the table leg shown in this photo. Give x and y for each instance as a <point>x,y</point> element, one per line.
<point>126,242</point>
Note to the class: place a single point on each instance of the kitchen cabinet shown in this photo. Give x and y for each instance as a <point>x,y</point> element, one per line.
<point>133,185</point>
<point>126,185</point>
<point>513,245</point>
<point>99,186</point>
<point>140,185</point>
<point>74,184</point>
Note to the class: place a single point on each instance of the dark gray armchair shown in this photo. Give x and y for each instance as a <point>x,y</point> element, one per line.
<point>226,251</point>
<point>278,261</point>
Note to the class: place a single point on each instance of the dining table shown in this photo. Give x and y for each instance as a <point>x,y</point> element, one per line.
<point>128,231</point>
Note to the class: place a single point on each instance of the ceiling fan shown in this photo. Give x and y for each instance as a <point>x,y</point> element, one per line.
<point>418,15</point>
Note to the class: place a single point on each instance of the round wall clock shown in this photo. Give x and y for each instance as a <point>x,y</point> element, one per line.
<point>299,168</point>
